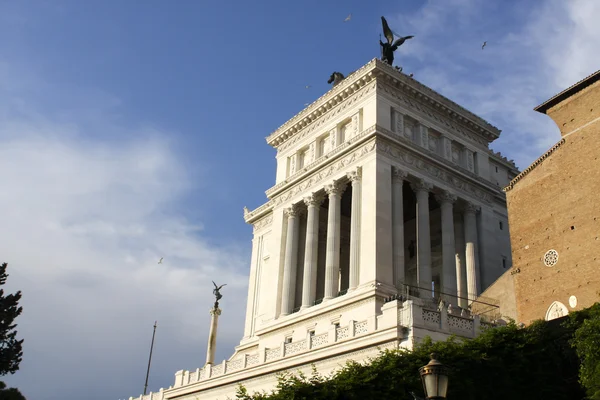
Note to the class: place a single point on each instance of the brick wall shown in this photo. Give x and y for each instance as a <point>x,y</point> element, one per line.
<point>556,205</point>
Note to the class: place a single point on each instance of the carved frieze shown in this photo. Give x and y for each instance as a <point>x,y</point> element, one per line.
<point>325,173</point>
<point>266,221</point>
<point>427,167</point>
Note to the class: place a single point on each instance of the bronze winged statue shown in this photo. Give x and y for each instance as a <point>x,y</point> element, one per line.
<point>388,49</point>
<point>217,293</point>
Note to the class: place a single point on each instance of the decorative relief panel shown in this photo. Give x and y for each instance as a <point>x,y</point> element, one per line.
<point>292,169</point>
<point>464,324</point>
<point>433,143</point>
<point>424,136</point>
<point>311,153</point>
<point>470,160</point>
<point>272,354</point>
<point>319,340</point>
<point>294,347</point>
<point>455,154</point>
<point>360,327</point>
<point>556,310</point>
<point>447,148</point>
<point>409,129</point>
<point>266,221</point>
<point>398,123</point>
<point>355,124</point>
<point>251,359</point>
<point>432,317</point>
<point>235,365</point>
<point>216,370</point>
<point>342,333</point>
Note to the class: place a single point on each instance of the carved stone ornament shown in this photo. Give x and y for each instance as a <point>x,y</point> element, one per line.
<point>421,185</point>
<point>556,310</point>
<point>433,142</point>
<point>471,207</point>
<point>408,129</point>
<point>355,175</point>
<point>292,211</point>
<point>398,175</point>
<point>215,311</point>
<point>408,159</point>
<point>314,200</point>
<point>266,221</point>
<point>445,197</point>
<point>335,188</point>
<point>326,172</point>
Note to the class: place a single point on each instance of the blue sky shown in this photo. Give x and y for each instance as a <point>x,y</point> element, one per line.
<point>131,131</point>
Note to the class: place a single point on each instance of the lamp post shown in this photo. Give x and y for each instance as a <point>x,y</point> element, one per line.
<point>435,379</point>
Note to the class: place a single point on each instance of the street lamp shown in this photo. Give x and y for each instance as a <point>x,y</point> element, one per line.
<point>435,379</point>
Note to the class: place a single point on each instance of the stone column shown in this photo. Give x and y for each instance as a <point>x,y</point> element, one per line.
<point>332,260</point>
<point>355,178</point>
<point>290,261</point>
<point>212,334</point>
<point>446,201</point>
<point>311,252</point>
<point>398,177</point>
<point>424,276</point>
<point>470,253</point>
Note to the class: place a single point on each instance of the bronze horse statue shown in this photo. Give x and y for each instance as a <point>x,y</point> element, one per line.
<point>335,78</point>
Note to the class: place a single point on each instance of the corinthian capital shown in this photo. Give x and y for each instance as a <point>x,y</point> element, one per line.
<point>398,175</point>
<point>313,200</point>
<point>421,186</point>
<point>292,211</point>
<point>445,197</point>
<point>471,207</point>
<point>335,188</point>
<point>355,175</point>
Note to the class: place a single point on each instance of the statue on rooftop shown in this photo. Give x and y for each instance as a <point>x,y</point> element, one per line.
<point>388,49</point>
<point>336,77</point>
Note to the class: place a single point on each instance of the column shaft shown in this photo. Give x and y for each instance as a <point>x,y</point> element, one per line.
<point>424,276</point>
<point>290,262</point>
<point>470,255</point>
<point>311,252</point>
<point>355,178</point>
<point>398,177</point>
<point>332,260</point>
<point>212,335</point>
<point>449,284</point>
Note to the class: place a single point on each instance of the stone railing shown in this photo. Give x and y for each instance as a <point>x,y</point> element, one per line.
<point>397,312</point>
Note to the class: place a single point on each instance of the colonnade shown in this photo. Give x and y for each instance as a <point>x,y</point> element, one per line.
<point>457,263</point>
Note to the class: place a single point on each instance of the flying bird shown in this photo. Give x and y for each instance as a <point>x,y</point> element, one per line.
<point>348,18</point>
<point>307,87</point>
<point>160,261</point>
<point>483,45</point>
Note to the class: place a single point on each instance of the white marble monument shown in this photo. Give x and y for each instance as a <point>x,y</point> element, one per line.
<point>383,187</point>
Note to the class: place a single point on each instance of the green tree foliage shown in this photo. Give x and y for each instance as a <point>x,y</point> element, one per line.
<point>10,393</point>
<point>587,344</point>
<point>11,349</point>
<point>542,360</point>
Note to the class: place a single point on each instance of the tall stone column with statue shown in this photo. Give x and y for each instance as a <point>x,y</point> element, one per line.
<point>214,321</point>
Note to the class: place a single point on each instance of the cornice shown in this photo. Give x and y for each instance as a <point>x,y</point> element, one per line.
<point>322,105</point>
<point>331,113</point>
<point>252,216</point>
<point>439,102</point>
<point>533,165</point>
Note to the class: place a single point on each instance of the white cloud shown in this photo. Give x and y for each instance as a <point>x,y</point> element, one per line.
<point>83,227</point>
<point>533,52</point>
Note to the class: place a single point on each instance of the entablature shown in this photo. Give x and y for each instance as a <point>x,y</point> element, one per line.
<point>427,100</point>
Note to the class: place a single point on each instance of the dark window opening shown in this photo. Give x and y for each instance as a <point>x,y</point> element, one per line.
<point>500,225</point>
